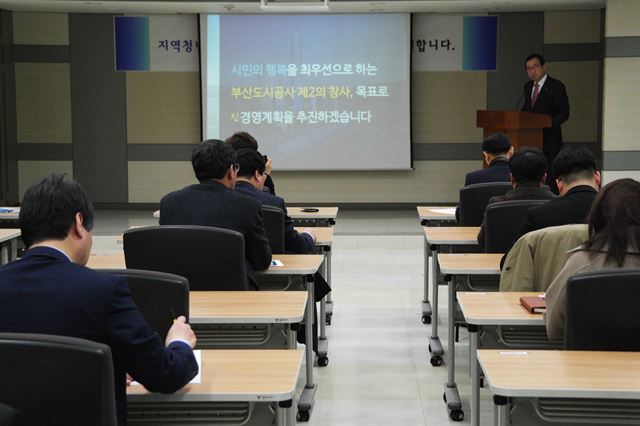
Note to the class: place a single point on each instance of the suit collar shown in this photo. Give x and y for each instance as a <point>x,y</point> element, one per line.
<point>498,161</point>
<point>46,252</point>
<point>212,184</point>
<point>246,185</point>
<point>580,188</point>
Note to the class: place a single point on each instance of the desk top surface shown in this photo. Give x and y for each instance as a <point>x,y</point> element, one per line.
<point>437,212</point>
<point>451,235</point>
<point>252,307</point>
<point>237,375</point>
<point>293,264</point>
<point>497,308</point>
<point>568,374</point>
<point>324,234</point>
<point>12,215</point>
<point>297,213</point>
<point>470,263</point>
<point>322,213</point>
<point>9,234</point>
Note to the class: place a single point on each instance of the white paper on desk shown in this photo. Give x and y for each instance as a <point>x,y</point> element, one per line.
<point>276,262</point>
<point>443,210</point>
<point>195,380</point>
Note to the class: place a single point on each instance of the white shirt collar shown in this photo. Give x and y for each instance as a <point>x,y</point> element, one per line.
<point>541,82</point>
<point>57,249</point>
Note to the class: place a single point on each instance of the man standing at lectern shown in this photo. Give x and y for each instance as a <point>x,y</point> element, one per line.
<point>546,95</point>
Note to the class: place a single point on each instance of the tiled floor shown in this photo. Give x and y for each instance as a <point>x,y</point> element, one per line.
<point>379,371</point>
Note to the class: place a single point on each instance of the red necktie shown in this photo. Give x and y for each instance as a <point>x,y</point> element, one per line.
<point>534,98</point>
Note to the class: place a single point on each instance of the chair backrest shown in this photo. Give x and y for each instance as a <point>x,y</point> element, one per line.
<point>504,221</point>
<point>57,380</point>
<point>274,227</point>
<point>160,297</point>
<point>602,311</point>
<point>474,199</point>
<point>210,258</point>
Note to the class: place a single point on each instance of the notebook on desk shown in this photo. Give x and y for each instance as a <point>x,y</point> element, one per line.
<point>534,304</point>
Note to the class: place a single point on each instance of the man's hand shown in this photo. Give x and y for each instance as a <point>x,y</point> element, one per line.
<point>181,330</point>
<point>268,166</point>
<point>310,232</point>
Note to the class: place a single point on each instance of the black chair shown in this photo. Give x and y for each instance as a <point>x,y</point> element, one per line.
<point>274,227</point>
<point>160,297</point>
<point>503,222</point>
<point>474,199</point>
<point>57,380</point>
<point>210,258</point>
<point>602,311</point>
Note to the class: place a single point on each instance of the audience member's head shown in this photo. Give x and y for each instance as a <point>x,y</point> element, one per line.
<point>614,220</point>
<point>573,167</point>
<point>252,167</point>
<point>496,145</point>
<point>58,210</point>
<point>242,140</point>
<point>215,159</point>
<point>528,165</point>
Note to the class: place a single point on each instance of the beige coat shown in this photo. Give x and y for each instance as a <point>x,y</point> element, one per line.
<point>537,257</point>
<point>556,296</point>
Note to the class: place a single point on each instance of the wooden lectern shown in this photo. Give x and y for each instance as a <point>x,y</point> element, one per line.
<point>523,128</point>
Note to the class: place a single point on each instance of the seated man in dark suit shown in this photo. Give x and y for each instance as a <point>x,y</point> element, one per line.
<point>251,177</point>
<point>243,140</point>
<point>213,202</point>
<point>528,173</point>
<point>496,150</point>
<point>578,182</point>
<point>50,291</point>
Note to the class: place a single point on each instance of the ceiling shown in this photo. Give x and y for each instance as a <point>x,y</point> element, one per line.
<point>335,6</point>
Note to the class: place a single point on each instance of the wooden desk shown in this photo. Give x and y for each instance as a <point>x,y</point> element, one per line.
<point>324,241</point>
<point>430,214</point>
<point>559,374</point>
<point>226,376</point>
<point>305,265</point>
<point>481,309</point>
<point>272,312</point>
<point>9,244</point>
<point>434,237</point>
<point>452,265</point>
<point>325,216</point>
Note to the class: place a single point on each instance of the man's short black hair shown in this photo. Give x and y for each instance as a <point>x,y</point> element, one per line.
<point>48,209</point>
<point>242,140</point>
<point>211,159</point>
<point>534,56</point>
<point>573,164</point>
<point>250,161</point>
<point>528,164</point>
<point>496,144</point>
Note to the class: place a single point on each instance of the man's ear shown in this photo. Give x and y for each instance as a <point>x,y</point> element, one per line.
<point>78,230</point>
<point>543,179</point>
<point>598,179</point>
<point>513,181</point>
<point>486,158</point>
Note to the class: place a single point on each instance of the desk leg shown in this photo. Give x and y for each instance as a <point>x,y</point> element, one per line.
<point>309,392</point>
<point>284,413</point>
<point>13,250</point>
<point>327,254</point>
<point>323,343</point>
<point>291,338</point>
<point>475,374</point>
<point>426,306</point>
<point>435,346</point>
<point>501,411</point>
<point>451,395</point>
<point>4,254</point>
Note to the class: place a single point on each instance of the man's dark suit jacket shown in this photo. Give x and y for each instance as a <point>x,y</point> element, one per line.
<point>573,207</point>
<point>498,171</point>
<point>211,203</point>
<point>293,241</point>
<point>522,191</point>
<point>552,100</point>
<point>44,292</point>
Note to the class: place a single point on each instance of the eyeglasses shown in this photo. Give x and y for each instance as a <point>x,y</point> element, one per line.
<point>236,166</point>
